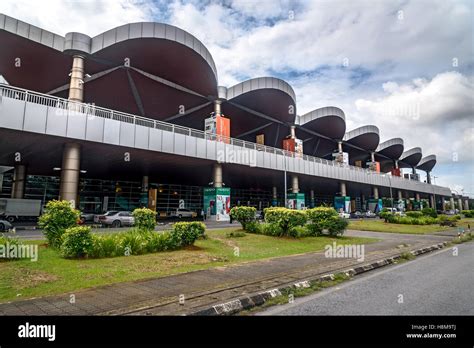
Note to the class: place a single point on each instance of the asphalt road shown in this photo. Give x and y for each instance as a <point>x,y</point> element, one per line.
<point>435,284</point>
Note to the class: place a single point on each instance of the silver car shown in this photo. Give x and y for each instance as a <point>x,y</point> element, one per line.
<point>5,225</point>
<point>115,219</point>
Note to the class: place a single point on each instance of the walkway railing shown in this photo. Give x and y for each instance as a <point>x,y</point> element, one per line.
<point>91,110</point>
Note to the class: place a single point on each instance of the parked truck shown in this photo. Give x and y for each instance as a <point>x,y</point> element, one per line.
<point>13,209</point>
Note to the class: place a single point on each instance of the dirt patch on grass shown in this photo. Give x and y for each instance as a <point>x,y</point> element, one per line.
<point>24,278</point>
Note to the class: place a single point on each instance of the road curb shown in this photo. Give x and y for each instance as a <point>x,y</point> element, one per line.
<point>255,300</point>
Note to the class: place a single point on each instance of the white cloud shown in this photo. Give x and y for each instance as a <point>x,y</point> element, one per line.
<point>441,109</point>
<point>85,16</point>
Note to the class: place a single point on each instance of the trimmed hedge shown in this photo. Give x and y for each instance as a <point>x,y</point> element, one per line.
<point>145,218</point>
<point>58,217</point>
<point>325,218</point>
<point>244,215</point>
<point>280,222</point>
<point>468,213</point>
<point>285,218</point>
<point>79,242</point>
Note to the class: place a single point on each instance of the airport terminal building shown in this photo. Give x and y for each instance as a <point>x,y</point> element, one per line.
<point>135,117</point>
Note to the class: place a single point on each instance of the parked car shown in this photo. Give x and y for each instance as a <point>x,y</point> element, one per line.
<point>356,215</point>
<point>87,217</point>
<point>392,210</point>
<point>370,214</point>
<point>184,213</point>
<point>344,215</point>
<point>5,225</point>
<point>115,218</point>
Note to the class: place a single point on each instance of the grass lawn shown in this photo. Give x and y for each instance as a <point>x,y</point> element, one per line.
<point>377,225</point>
<point>52,274</point>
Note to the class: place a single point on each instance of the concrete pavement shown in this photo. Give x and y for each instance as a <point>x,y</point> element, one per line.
<point>436,284</point>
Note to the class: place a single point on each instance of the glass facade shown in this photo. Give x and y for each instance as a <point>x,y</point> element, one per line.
<point>97,196</point>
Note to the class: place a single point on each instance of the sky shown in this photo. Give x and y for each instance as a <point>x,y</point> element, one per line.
<point>404,66</point>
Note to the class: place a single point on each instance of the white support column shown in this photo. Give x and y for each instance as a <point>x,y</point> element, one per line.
<point>76,85</point>
<point>294,184</point>
<point>466,204</point>
<point>459,203</point>
<point>433,202</point>
<point>70,170</point>
<point>342,189</point>
<point>400,195</point>
<point>217,175</point>
<point>452,203</point>
<point>375,192</point>
<point>217,107</point>
<point>417,196</point>
<point>339,146</point>
<point>19,180</point>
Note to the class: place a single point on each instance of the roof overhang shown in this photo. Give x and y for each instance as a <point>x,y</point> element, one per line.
<point>427,163</point>
<point>410,158</point>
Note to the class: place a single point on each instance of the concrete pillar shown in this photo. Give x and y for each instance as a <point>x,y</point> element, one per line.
<point>294,184</point>
<point>311,198</point>
<point>443,202</point>
<point>274,193</point>
<point>217,107</point>
<point>395,164</point>
<point>432,202</point>
<point>342,189</point>
<point>19,180</point>
<point>76,85</point>
<point>339,146</point>
<point>145,183</point>
<point>372,156</point>
<point>428,178</point>
<point>452,203</point>
<point>466,204</point>
<point>375,192</point>
<point>417,196</point>
<point>459,204</point>
<point>70,170</point>
<point>400,194</point>
<point>217,175</point>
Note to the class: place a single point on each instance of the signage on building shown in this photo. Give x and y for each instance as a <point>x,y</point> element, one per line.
<point>217,203</point>
<point>218,127</point>
<point>261,139</point>
<point>341,157</point>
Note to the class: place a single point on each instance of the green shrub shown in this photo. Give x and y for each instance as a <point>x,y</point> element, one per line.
<point>429,212</point>
<point>299,232</point>
<point>187,232</point>
<point>385,215</point>
<point>244,215</point>
<point>134,242</point>
<point>76,242</point>
<point>145,219</point>
<point>325,218</point>
<point>468,213</point>
<point>414,214</point>
<point>106,246</point>
<point>58,216</point>
<point>253,227</point>
<point>445,220</point>
<point>273,230</point>
<point>285,218</point>
<point>336,225</point>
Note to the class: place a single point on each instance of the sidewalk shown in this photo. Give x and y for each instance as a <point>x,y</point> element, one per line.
<point>200,289</point>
